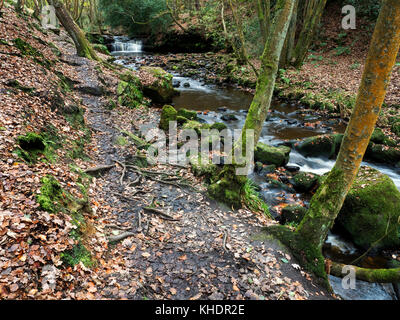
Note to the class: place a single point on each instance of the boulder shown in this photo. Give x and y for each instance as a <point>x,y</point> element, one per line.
<point>304,181</point>
<point>371,208</point>
<point>382,154</point>
<point>219,126</point>
<point>266,154</point>
<point>188,114</point>
<point>159,88</point>
<point>320,146</point>
<point>229,117</point>
<point>293,213</point>
<point>168,114</point>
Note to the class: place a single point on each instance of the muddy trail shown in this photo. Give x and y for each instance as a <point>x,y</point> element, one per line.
<point>172,241</point>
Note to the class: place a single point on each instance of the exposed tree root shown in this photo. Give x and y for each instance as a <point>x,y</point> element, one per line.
<point>366,274</point>
<point>160,213</point>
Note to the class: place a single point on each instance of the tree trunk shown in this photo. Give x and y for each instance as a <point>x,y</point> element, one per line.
<point>229,185</point>
<point>325,205</point>
<point>83,47</point>
<point>288,47</point>
<point>312,17</point>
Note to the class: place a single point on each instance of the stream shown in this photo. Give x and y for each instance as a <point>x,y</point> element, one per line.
<point>286,121</point>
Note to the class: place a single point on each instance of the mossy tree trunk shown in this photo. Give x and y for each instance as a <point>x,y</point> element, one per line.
<point>328,200</point>
<point>312,15</point>
<point>83,46</point>
<point>229,186</point>
<point>288,47</point>
<point>263,14</point>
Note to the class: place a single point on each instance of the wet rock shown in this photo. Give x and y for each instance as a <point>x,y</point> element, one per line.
<point>186,85</point>
<point>383,154</point>
<point>229,117</point>
<point>266,154</point>
<point>292,168</point>
<point>176,84</point>
<point>320,146</point>
<point>372,208</point>
<point>293,213</point>
<point>304,181</point>
<point>161,89</point>
<point>222,109</point>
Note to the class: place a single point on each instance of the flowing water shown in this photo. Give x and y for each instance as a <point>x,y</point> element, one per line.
<point>286,121</point>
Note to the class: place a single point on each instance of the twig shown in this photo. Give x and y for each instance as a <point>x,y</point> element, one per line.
<point>225,239</point>
<point>123,171</point>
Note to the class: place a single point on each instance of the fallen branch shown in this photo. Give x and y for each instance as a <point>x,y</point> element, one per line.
<point>366,274</point>
<point>121,179</point>
<point>160,213</point>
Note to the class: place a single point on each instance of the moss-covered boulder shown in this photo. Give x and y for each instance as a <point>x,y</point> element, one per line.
<point>266,154</point>
<point>129,90</point>
<point>383,154</point>
<point>159,88</point>
<point>396,128</point>
<point>304,181</point>
<point>371,211</point>
<point>31,146</point>
<point>188,114</point>
<point>101,48</point>
<point>219,126</point>
<point>378,136</point>
<point>195,125</point>
<point>168,113</point>
<point>320,146</point>
<point>292,213</point>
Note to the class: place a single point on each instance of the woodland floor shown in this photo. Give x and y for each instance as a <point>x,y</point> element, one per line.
<point>195,249</point>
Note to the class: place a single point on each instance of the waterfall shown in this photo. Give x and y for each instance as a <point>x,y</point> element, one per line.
<point>124,45</point>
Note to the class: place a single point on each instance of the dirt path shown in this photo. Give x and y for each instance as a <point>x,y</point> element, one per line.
<point>206,252</point>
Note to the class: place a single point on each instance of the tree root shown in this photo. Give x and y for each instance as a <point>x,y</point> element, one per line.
<point>366,274</point>
<point>96,169</point>
<point>121,236</point>
<point>160,213</point>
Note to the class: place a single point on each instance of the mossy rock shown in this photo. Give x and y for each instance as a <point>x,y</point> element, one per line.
<point>129,91</point>
<point>396,128</point>
<point>382,154</point>
<point>320,146</point>
<point>168,113</point>
<point>293,213</point>
<point>195,125</point>
<point>219,126</point>
<point>266,154</point>
<point>304,181</point>
<point>371,207</point>
<point>50,194</point>
<point>378,136</point>
<point>188,114</point>
<point>181,120</point>
<point>160,90</point>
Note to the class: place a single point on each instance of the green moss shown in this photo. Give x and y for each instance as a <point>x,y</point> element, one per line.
<point>77,254</point>
<point>161,89</point>
<point>181,120</point>
<point>190,115</point>
<point>32,145</point>
<point>168,113</point>
<point>304,181</point>
<point>324,145</point>
<point>195,125</point>
<point>50,194</point>
<point>396,128</point>
<point>228,187</point>
<point>129,91</point>
<point>101,48</point>
<point>27,50</point>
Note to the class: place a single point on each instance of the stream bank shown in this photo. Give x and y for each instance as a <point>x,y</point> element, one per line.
<point>217,101</point>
